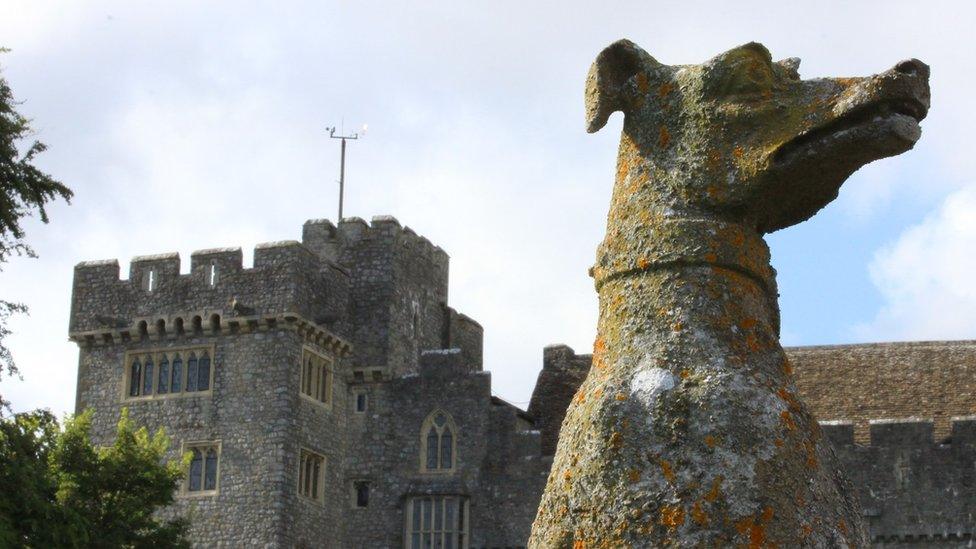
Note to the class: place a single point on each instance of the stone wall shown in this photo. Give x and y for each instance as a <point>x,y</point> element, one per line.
<point>915,490</point>
<point>563,371</point>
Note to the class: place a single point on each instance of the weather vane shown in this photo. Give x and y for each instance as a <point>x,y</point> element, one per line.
<point>342,162</point>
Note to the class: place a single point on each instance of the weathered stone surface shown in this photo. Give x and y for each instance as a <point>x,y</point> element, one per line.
<point>687,430</point>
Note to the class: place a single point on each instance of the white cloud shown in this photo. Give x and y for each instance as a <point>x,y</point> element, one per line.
<point>187,125</point>
<point>926,276</point>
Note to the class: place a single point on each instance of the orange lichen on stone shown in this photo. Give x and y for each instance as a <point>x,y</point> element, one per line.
<point>667,471</point>
<point>753,343</point>
<point>665,89</point>
<point>664,137</point>
<point>747,323</point>
<point>579,544</point>
<point>787,420</point>
<point>710,441</point>
<point>684,374</point>
<point>643,263</point>
<point>715,491</point>
<point>643,83</point>
<point>672,516</point>
<point>634,475</point>
<point>842,526</point>
<point>710,257</point>
<point>621,396</point>
<point>699,515</point>
<point>778,442</point>
<point>789,398</point>
<point>737,152</point>
<point>787,367</point>
<point>755,528</point>
<point>598,392</point>
<point>567,475</point>
<point>677,327</point>
<point>810,448</point>
<point>580,397</point>
<point>616,441</point>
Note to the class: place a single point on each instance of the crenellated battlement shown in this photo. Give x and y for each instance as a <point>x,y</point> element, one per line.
<point>902,433</point>
<point>912,485</point>
<point>286,277</point>
<point>329,240</point>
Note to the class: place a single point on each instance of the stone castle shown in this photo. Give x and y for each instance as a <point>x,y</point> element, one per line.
<point>330,397</point>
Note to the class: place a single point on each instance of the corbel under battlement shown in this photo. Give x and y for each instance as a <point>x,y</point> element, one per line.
<point>209,323</point>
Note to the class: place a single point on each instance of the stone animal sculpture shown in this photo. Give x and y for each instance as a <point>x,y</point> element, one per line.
<point>687,430</point>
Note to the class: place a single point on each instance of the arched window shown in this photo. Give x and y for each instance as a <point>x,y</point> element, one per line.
<point>196,470</point>
<point>191,373</point>
<point>135,378</point>
<point>162,386</point>
<point>203,380</point>
<point>147,376</point>
<point>204,467</point>
<point>210,470</point>
<point>176,384</point>
<point>437,443</point>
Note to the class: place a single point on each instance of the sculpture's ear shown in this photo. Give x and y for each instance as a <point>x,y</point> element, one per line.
<point>606,84</point>
<point>791,66</point>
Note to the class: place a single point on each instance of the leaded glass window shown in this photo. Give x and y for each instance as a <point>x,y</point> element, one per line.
<point>311,475</point>
<point>204,467</point>
<point>203,377</point>
<point>317,377</point>
<point>147,377</point>
<point>135,378</point>
<point>438,443</point>
<point>196,470</point>
<point>177,380</point>
<point>162,385</point>
<point>439,522</point>
<point>164,373</point>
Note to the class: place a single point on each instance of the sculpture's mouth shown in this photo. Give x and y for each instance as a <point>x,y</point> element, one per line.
<point>891,125</point>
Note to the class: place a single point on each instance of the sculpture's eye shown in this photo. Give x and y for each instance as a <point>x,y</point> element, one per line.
<point>742,71</point>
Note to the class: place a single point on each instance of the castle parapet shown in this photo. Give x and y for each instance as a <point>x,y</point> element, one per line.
<point>839,433</point>
<point>442,363</point>
<point>210,265</point>
<point>563,371</point>
<point>328,240</point>
<point>151,272</point>
<point>286,277</point>
<point>901,432</point>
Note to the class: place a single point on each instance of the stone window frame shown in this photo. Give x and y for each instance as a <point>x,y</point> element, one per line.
<point>449,425</point>
<point>316,371</point>
<point>156,353</point>
<point>312,494</point>
<point>420,526</point>
<point>354,492</point>
<point>203,446</point>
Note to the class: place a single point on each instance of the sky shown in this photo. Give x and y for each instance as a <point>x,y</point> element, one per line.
<point>185,125</point>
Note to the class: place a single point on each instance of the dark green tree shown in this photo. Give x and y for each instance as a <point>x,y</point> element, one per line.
<point>23,189</point>
<point>58,490</point>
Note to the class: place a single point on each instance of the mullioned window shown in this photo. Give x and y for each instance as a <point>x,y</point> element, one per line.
<point>168,372</point>
<point>438,447</point>
<point>317,377</point>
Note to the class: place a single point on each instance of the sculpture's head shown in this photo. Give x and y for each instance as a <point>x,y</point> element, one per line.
<point>741,138</point>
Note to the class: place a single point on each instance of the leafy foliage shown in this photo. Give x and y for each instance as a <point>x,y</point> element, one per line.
<point>23,188</point>
<point>58,490</point>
